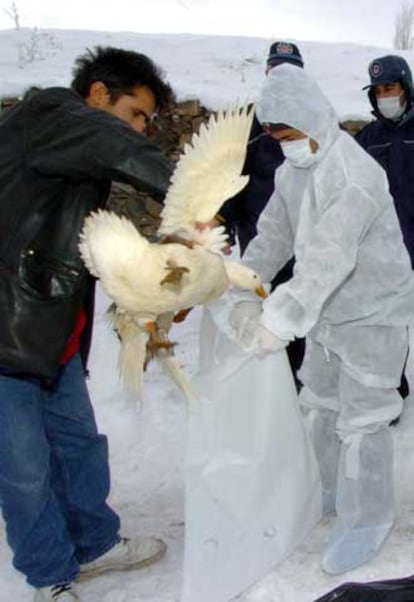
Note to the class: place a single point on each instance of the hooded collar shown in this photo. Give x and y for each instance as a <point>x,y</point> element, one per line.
<point>292,97</point>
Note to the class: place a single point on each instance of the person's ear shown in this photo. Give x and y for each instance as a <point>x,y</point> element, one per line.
<point>98,96</point>
<point>314,145</point>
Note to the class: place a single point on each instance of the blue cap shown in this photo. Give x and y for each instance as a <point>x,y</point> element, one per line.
<point>284,52</point>
<point>389,69</point>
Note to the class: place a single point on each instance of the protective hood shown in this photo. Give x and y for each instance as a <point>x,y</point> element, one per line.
<point>290,96</point>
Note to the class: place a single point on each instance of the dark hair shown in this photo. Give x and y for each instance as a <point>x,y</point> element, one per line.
<point>30,92</point>
<point>121,71</point>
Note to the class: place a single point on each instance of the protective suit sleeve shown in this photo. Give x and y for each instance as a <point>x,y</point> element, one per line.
<point>272,248</point>
<point>329,256</point>
<point>77,141</point>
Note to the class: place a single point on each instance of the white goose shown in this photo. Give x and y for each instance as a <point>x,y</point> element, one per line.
<point>151,283</point>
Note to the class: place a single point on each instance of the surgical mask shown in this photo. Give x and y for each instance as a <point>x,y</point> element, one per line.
<point>299,152</point>
<point>390,107</point>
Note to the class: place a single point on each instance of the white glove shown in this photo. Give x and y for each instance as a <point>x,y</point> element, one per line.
<point>250,333</point>
<point>244,319</point>
<point>267,342</point>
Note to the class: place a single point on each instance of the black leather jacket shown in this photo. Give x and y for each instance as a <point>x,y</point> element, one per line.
<point>57,159</point>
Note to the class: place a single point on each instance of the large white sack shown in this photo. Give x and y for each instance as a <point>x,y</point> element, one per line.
<point>252,482</point>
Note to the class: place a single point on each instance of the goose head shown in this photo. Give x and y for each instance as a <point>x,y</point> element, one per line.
<point>240,276</point>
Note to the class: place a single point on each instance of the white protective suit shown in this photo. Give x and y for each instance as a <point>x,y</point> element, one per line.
<point>352,295</point>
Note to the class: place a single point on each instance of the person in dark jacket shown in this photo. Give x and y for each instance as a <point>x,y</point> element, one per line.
<point>59,151</point>
<point>390,140</point>
<point>390,137</point>
<point>264,156</point>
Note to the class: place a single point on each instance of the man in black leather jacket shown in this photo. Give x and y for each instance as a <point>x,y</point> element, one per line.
<point>59,150</point>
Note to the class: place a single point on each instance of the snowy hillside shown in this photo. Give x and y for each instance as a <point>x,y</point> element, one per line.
<point>217,70</point>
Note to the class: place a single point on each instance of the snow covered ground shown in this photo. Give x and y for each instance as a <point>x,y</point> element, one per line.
<point>147,439</point>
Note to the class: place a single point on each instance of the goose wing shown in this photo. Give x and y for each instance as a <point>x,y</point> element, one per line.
<point>207,174</point>
<point>115,252</point>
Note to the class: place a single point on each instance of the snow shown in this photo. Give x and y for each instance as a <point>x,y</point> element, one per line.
<point>147,438</point>
<point>217,69</point>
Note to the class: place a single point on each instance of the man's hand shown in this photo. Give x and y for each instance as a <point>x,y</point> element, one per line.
<point>214,223</point>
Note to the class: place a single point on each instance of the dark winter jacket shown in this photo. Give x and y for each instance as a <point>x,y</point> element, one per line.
<point>57,159</point>
<point>392,145</point>
<point>241,212</point>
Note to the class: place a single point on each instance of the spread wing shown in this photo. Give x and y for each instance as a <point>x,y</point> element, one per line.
<point>207,173</point>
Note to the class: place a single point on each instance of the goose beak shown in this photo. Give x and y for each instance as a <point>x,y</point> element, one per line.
<point>261,291</point>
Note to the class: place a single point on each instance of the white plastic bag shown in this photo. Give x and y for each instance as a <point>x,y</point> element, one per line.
<point>252,482</point>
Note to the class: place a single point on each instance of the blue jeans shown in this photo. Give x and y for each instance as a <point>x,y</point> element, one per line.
<point>54,477</point>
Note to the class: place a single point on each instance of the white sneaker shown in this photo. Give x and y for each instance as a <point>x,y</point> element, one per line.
<point>127,554</point>
<point>57,593</point>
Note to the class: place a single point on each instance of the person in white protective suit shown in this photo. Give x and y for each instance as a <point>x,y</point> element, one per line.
<point>351,294</point>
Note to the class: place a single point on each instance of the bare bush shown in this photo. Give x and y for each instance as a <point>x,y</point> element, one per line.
<point>39,46</point>
<point>13,12</point>
<point>403,37</point>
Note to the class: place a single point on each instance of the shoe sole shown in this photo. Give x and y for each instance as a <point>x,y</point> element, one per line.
<point>39,598</point>
<point>90,574</point>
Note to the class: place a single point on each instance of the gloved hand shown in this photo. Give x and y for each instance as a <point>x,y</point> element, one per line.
<point>244,319</point>
<point>267,342</point>
<point>250,333</point>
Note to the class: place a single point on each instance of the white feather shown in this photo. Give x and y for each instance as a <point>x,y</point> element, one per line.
<point>172,368</point>
<point>107,238</point>
<point>213,239</point>
<point>208,172</point>
<point>132,355</point>
<point>132,270</point>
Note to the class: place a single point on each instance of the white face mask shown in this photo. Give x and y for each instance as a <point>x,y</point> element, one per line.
<point>390,107</point>
<point>299,152</point>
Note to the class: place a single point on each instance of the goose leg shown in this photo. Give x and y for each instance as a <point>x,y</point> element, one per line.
<point>156,340</point>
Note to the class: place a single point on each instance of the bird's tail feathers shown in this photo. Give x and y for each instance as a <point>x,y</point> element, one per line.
<point>172,368</point>
<point>132,355</point>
